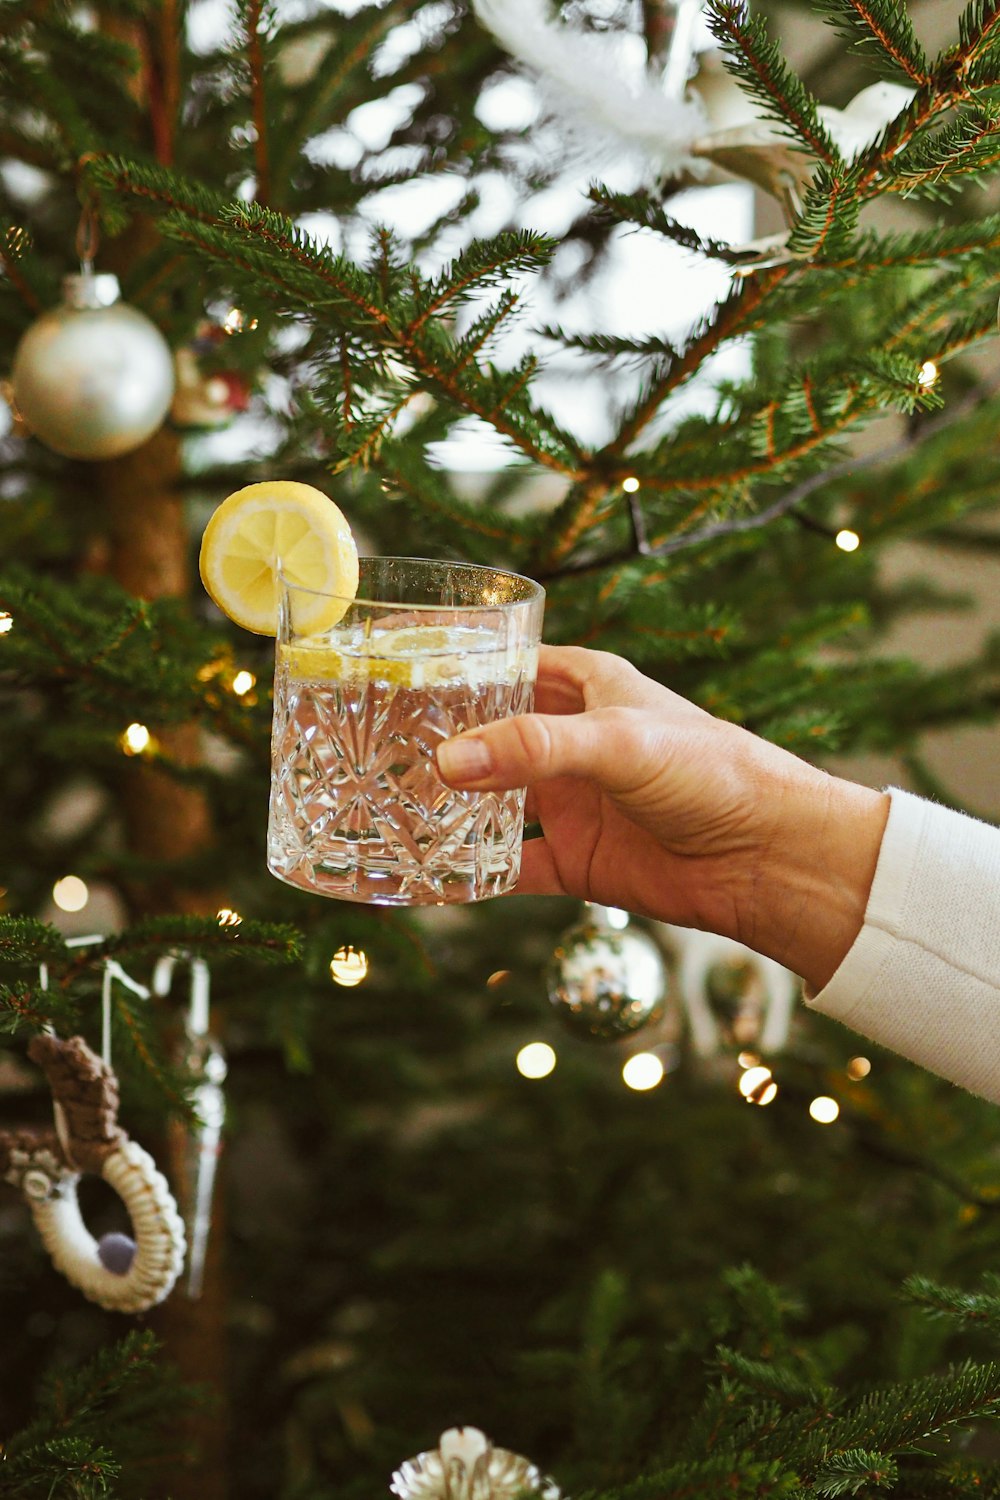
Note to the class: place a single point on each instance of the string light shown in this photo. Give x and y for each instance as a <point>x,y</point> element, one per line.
<point>237,321</point>
<point>498,977</point>
<point>748,1059</point>
<point>243,683</point>
<point>928,375</point>
<point>643,1071</point>
<point>847,540</point>
<point>348,966</point>
<point>536,1060</point>
<point>858,1067</point>
<point>226,917</point>
<point>136,739</point>
<point>70,893</point>
<point>758,1086</point>
<point>6,622</point>
<point>824,1110</point>
<point>630,485</point>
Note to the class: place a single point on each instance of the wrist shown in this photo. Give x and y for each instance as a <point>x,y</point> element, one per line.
<point>812,889</point>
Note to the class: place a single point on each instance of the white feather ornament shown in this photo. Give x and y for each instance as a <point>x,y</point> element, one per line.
<point>598,86</point>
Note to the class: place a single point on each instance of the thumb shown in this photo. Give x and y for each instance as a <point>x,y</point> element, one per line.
<point>535,747</point>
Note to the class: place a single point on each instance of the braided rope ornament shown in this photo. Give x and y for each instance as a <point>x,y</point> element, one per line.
<point>115,1272</point>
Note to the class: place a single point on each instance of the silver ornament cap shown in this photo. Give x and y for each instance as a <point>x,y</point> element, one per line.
<point>93,378</point>
<point>606,978</point>
<point>466,1466</point>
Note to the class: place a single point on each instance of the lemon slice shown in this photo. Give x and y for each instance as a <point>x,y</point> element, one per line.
<point>279,522</point>
<point>422,656</point>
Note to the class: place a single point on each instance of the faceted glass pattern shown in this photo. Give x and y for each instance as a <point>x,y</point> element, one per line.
<point>357,809</point>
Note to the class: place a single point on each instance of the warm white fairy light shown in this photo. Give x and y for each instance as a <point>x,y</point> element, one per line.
<point>70,893</point>
<point>847,540</point>
<point>630,485</point>
<point>226,917</point>
<point>928,375</point>
<point>6,622</point>
<point>348,966</point>
<point>536,1060</point>
<point>237,321</point>
<point>135,740</point>
<point>858,1067</point>
<point>616,917</point>
<point>824,1110</point>
<point>497,978</point>
<point>757,1085</point>
<point>243,683</point>
<point>748,1059</point>
<point>643,1071</point>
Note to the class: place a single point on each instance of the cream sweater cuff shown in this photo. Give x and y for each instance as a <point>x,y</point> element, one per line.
<point>923,976</point>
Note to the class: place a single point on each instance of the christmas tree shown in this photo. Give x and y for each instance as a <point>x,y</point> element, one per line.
<point>488,275</point>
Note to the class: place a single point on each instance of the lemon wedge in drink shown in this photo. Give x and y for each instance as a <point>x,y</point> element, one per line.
<point>415,656</point>
<point>279,523</point>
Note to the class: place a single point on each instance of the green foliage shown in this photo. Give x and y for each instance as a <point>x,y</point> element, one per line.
<point>88,1421</point>
<point>417,1236</point>
<point>883,33</point>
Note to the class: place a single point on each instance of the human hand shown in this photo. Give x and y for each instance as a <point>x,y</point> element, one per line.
<point>649,803</point>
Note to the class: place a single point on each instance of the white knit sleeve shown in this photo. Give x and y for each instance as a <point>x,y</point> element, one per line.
<point>923,976</point>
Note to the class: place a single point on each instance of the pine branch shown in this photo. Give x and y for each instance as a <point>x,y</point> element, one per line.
<point>885,26</point>
<point>203,937</point>
<point>855,1471</point>
<point>757,62</point>
<point>978,29</point>
<point>964,1309</point>
<point>938,163</point>
<point>482,264</point>
<point>644,211</point>
<point>25,940</point>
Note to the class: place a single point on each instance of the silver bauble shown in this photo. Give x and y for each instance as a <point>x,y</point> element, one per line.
<point>606,978</point>
<point>466,1466</point>
<point>93,377</point>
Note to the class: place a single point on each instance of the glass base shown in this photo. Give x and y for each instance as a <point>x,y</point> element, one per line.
<point>371,883</point>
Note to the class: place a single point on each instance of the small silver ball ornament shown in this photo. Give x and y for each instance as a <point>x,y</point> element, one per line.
<point>606,978</point>
<point>93,378</point>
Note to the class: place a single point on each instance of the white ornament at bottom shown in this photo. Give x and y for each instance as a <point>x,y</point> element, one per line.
<point>466,1466</point>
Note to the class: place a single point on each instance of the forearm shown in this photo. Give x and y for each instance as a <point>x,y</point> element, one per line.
<point>818,862</point>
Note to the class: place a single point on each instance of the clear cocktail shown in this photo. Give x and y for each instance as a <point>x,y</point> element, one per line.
<point>357,808</point>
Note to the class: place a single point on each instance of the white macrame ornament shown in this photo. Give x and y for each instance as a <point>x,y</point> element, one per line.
<point>119,1273</point>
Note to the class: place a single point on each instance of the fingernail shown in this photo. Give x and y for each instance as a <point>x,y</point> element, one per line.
<point>464,760</point>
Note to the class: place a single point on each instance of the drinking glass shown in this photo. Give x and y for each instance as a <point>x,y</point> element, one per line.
<point>364,691</point>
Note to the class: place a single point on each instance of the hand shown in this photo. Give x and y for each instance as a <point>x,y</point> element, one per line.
<point>647,802</point>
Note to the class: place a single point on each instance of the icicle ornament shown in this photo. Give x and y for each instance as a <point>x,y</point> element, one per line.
<point>202,1141</point>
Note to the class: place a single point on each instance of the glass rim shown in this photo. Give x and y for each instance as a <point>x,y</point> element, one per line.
<point>534,595</point>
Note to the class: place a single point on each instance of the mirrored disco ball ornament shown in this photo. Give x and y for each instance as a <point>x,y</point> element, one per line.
<point>92,378</point>
<point>466,1466</point>
<point>606,978</point>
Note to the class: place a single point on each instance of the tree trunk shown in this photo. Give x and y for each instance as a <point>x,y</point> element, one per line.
<point>148,554</point>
